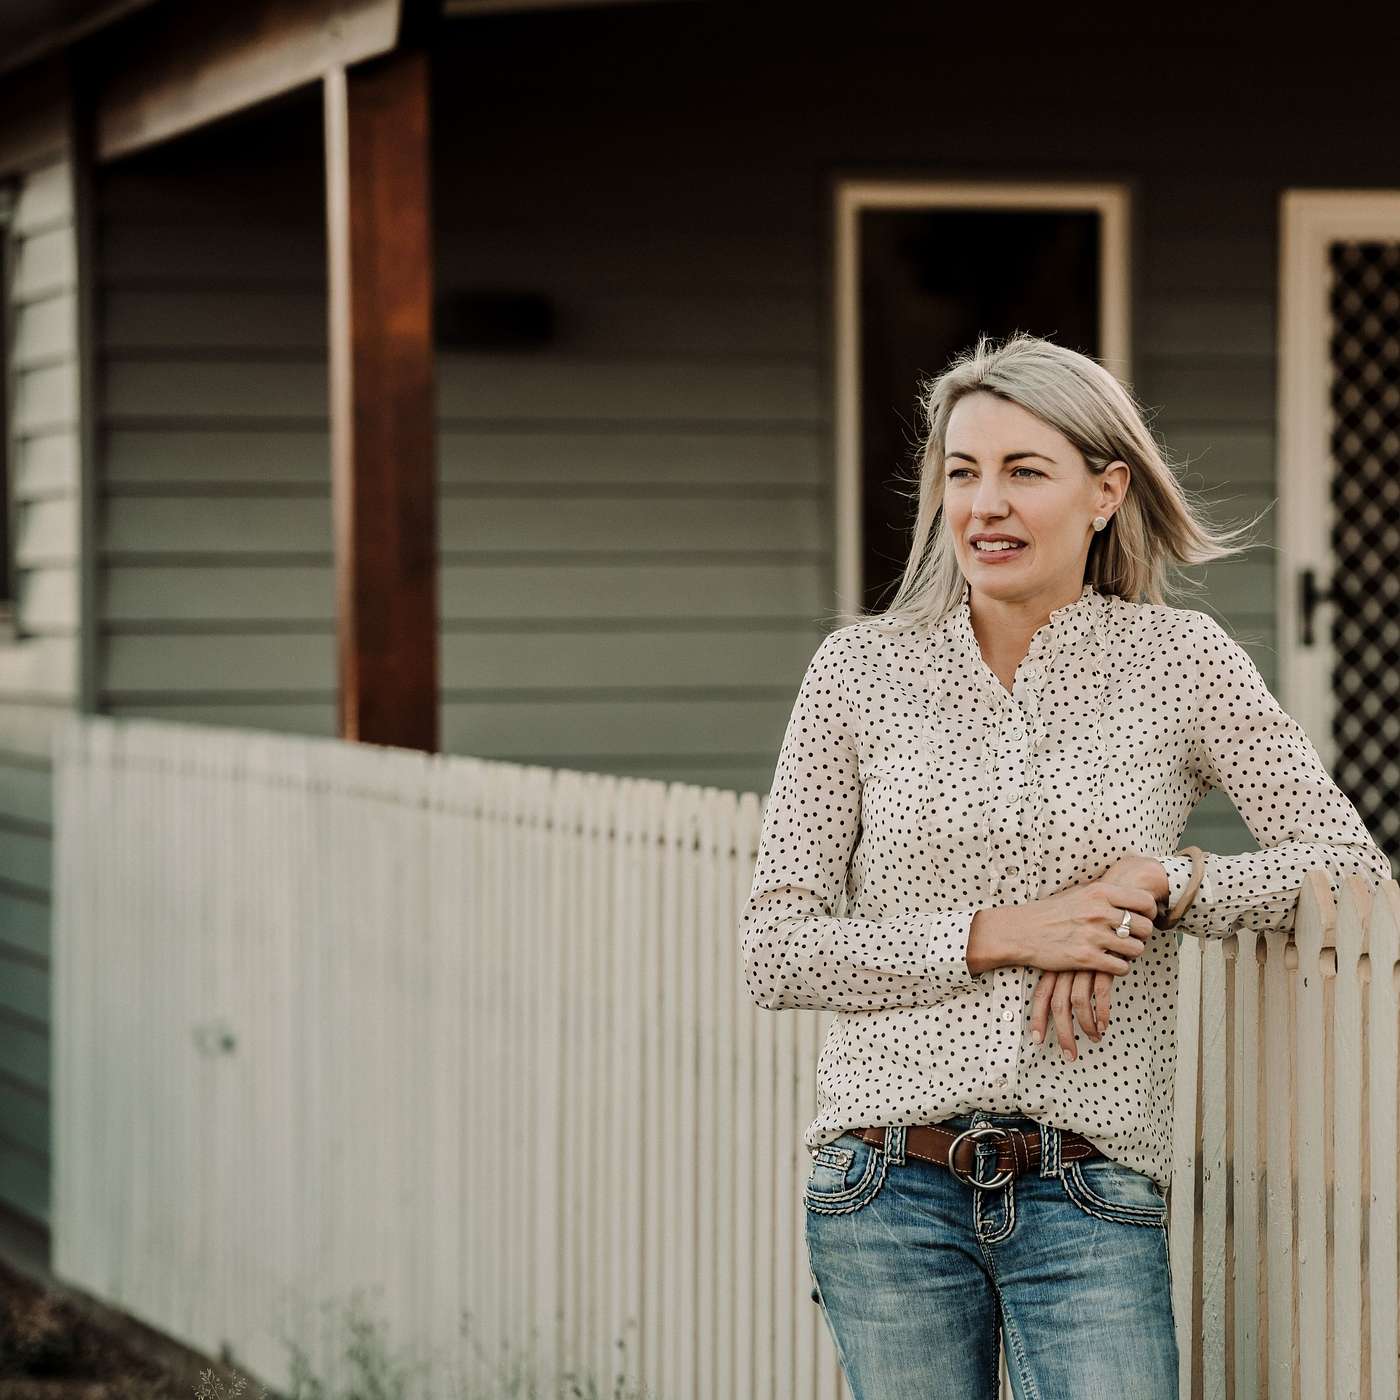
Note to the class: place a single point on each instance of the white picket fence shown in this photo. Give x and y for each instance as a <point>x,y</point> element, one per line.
<point>472,1040</point>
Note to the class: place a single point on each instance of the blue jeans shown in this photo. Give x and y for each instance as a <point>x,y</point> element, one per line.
<point>922,1277</point>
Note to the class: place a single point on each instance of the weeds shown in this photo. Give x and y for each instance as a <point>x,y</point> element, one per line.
<point>375,1375</point>
<point>211,1387</point>
<point>44,1340</point>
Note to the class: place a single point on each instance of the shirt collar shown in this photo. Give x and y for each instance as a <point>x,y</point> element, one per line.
<point>1066,628</point>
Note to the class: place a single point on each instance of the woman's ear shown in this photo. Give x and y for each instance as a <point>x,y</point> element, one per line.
<point>1113,484</point>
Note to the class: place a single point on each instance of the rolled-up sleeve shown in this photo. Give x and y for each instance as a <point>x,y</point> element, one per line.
<point>1247,744</point>
<point>796,953</point>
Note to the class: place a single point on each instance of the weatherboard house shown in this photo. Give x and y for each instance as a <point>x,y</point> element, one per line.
<point>537,380</point>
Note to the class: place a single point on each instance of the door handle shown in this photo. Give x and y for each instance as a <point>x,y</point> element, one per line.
<point>1309,598</point>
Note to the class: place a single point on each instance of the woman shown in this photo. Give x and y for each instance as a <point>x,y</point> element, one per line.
<point>994,773</point>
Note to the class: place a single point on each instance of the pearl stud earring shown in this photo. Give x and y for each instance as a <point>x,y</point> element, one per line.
<point>1099,522</point>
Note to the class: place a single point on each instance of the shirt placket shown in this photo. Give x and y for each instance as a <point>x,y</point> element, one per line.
<point>1014,736</point>
<point>1015,775</point>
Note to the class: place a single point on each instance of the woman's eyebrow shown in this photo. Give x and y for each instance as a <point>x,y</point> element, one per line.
<point>1010,456</point>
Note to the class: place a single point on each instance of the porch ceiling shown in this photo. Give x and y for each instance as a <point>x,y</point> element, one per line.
<point>459,8</point>
<point>31,28</point>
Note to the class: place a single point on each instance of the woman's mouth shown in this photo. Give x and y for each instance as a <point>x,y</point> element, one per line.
<point>999,552</point>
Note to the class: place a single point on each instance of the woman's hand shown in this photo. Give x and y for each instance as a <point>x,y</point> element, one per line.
<point>1147,871</point>
<point>1083,994</point>
<point>1068,995</point>
<point>1077,929</point>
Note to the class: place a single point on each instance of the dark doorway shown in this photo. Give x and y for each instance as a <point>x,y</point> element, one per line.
<point>931,281</point>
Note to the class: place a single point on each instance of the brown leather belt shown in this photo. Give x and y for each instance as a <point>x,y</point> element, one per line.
<point>1018,1149</point>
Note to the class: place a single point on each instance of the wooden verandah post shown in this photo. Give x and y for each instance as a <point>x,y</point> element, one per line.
<point>382,418</point>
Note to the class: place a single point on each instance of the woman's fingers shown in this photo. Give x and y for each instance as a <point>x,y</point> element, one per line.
<point>1040,1004</point>
<point>1102,983</point>
<point>1080,994</point>
<point>1064,1016</point>
<point>1065,997</point>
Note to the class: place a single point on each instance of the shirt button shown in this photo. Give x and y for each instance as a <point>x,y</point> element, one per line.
<point>1008,1015</point>
<point>1013,869</point>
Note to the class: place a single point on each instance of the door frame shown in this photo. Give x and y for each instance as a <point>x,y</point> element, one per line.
<point>1309,219</point>
<point>1112,201</point>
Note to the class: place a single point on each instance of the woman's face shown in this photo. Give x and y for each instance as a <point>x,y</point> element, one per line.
<point>1044,495</point>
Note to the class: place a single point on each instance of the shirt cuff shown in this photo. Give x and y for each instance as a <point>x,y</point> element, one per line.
<point>946,950</point>
<point>1178,877</point>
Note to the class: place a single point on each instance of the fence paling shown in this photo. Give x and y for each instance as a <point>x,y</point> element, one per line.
<point>1248,1141</point>
<point>1348,1124</point>
<point>1312,1059</point>
<point>492,1051</point>
<point>1382,1053</point>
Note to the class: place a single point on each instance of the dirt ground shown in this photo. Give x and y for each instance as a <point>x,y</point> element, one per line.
<point>54,1347</point>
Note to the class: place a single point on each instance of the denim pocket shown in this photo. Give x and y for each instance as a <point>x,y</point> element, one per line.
<point>1108,1190</point>
<point>845,1175</point>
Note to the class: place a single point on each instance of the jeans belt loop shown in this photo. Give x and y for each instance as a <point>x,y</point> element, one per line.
<point>894,1145</point>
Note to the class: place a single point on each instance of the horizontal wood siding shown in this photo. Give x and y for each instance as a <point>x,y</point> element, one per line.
<point>38,667</point>
<point>576,165</point>
<point>635,524</point>
<point>214,545</point>
<point>637,516</point>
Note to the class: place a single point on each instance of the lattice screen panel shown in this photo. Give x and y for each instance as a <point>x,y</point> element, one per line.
<point>1365,436</point>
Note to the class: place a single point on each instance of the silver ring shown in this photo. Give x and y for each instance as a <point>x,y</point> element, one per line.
<point>1125,928</point>
<point>976,1131</point>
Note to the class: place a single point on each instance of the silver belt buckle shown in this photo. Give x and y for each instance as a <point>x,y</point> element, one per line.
<point>976,1131</point>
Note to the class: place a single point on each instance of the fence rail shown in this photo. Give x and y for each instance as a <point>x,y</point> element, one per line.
<point>473,1038</point>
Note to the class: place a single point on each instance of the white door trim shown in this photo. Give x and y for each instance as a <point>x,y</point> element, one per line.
<point>1309,219</point>
<point>1112,202</point>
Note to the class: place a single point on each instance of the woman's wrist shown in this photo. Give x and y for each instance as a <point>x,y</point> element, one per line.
<point>995,938</point>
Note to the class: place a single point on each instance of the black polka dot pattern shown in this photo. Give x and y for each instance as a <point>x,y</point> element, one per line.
<point>912,789</point>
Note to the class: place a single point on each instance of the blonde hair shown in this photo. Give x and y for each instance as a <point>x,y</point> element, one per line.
<point>1157,527</point>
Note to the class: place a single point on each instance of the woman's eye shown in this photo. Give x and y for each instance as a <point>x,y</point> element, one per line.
<point>963,470</point>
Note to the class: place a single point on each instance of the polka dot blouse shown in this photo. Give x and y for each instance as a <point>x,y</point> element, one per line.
<point>913,787</point>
